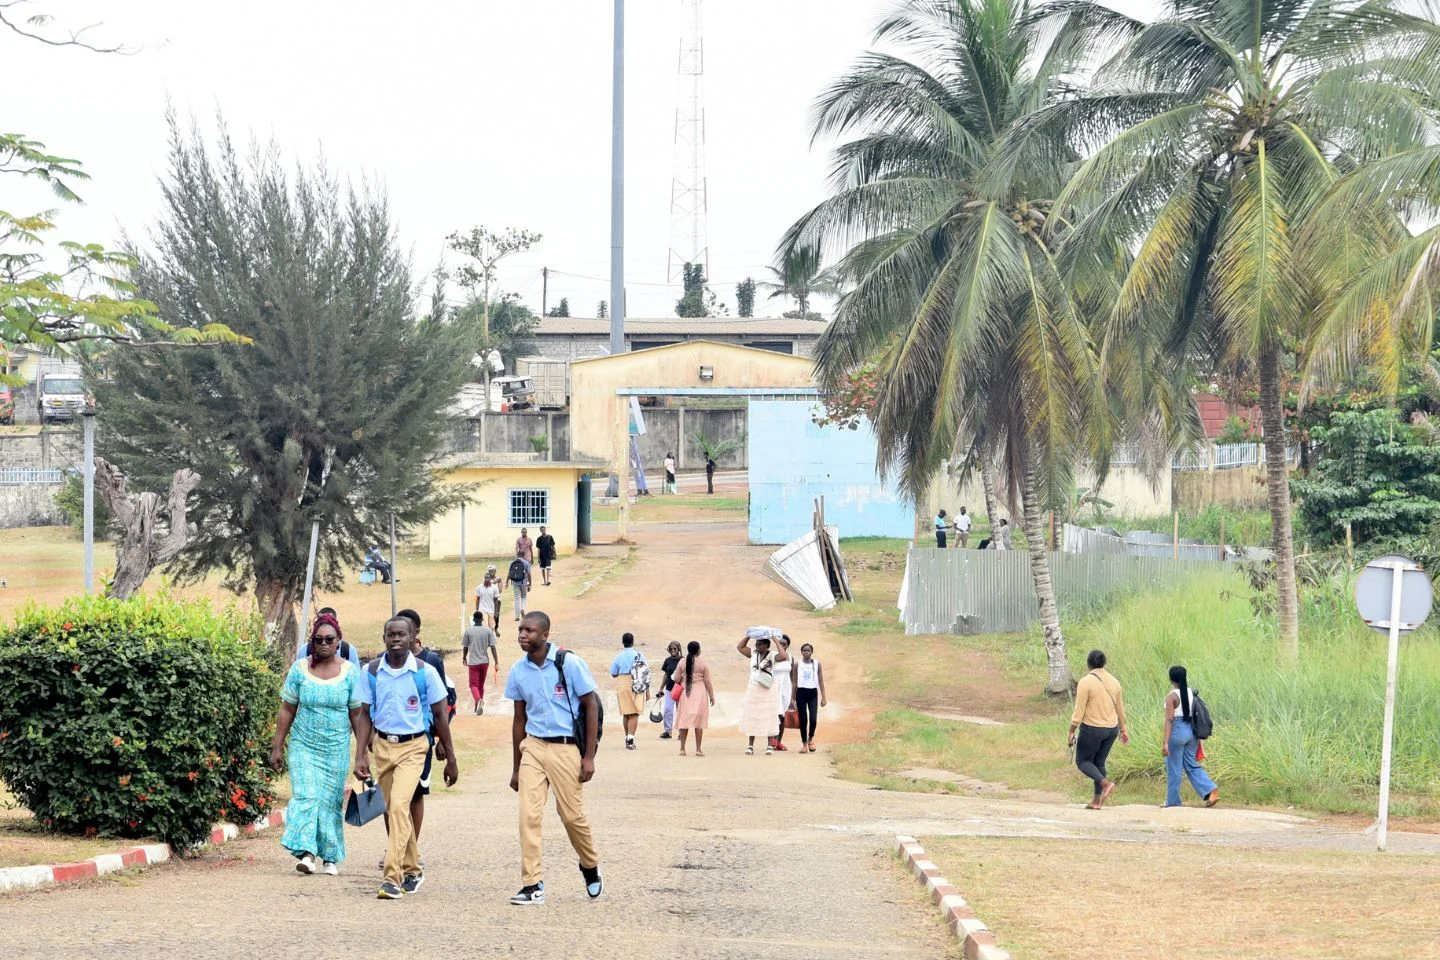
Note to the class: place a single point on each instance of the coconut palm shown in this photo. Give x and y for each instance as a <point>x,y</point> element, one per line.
<point>798,276</point>
<point>1221,126</point>
<point>951,267</point>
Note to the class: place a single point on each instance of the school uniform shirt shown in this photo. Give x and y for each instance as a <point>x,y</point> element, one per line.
<point>549,711</point>
<point>395,704</point>
<point>624,662</point>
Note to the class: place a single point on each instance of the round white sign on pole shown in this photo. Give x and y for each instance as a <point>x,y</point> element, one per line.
<point>1373,593</point>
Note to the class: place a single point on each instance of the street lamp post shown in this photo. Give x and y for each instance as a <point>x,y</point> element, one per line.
<point>87,417</point>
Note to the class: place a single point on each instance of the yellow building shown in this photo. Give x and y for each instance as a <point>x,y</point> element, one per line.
<point>508,495</point>
<point>599,422</point>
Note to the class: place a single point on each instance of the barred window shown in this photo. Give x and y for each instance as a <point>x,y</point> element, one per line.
<point>529,508</point>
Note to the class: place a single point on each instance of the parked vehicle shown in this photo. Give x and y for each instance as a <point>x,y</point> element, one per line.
<point>551,379</point>
<point>506,394</point>
<point>60,386</point>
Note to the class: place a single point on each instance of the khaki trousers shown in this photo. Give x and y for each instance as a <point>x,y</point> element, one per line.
<point>397,768</point>
<point>545,767</point>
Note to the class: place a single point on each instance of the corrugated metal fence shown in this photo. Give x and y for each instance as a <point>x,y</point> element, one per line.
<point>989,591</point>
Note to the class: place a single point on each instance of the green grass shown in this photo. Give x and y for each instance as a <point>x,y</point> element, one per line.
<point>663,508</point>
<point>1249,528</point>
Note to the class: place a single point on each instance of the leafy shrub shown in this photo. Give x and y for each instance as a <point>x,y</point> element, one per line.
<point>70,498</point>
<point>1236,431</point>
<point>132,718</point>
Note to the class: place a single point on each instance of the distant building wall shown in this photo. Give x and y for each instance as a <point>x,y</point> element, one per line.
<point>1242,487</point>
<point>32,505</point>
<point>794,462</point>
<point>57,449</point>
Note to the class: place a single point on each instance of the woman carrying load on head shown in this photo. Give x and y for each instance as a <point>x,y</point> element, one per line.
<point>757,712</point>
<point>320,707</point>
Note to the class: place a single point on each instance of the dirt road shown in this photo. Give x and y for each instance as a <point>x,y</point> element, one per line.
<point>734,856</point>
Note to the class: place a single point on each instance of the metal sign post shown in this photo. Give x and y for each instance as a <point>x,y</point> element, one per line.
<point>309,581</point>
<point>1393,594</point>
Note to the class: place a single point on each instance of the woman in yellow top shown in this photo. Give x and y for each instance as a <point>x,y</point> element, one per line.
<point>1098,719</point>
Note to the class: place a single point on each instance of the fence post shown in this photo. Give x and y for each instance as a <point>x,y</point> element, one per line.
<point>1222,539</point>
<point>1175,536</point>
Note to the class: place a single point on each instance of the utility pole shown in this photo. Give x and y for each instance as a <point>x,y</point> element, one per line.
<point>88,416</point>
<point>545,291</point>
<point>617,189</point>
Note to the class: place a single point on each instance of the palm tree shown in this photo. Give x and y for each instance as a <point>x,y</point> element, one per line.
<point>1222,127</point>
<point>798,276</point>
<point>956,286</point>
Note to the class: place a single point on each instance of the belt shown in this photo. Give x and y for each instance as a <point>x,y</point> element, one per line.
<point>399,737</point>
<point>571,740</point>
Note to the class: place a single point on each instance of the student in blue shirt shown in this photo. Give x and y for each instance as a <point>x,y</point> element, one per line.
<point>632,704</point>
<point>394,686</point>
<point>548,754</point>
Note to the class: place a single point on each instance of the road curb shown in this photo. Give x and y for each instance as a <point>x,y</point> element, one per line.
<point>45,875</point>
<point>976,940</point>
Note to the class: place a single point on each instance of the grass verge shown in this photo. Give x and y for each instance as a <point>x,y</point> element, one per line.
<point>1132,901</point>
<point>676,508</point>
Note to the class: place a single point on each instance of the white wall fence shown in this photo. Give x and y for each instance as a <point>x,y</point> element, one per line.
<point>989,591</point>
<point>1206,456</point>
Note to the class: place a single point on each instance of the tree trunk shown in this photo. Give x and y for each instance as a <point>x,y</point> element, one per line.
<point>138,546</point>
<point>992,502</point>
<point>277,605</point>
<point>1059,681</point>
<point>1277,482</point>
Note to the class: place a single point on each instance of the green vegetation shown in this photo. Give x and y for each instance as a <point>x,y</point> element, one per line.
<point>144,717</point>
<point>659,508</point>
<point>1250,528</point>
<point>70,498</point>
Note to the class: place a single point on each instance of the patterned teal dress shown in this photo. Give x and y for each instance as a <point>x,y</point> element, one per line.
<point>319,760</point>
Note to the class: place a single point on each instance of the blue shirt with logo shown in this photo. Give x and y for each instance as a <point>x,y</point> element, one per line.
<point>548,711</point>
<point>396,707</point>
<point>624,662</point>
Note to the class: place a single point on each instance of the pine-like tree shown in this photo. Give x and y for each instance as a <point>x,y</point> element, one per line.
<point>333,413</point>
<point>745,297</point>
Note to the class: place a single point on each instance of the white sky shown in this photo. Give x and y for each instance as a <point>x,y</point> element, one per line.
<point>494,112</point>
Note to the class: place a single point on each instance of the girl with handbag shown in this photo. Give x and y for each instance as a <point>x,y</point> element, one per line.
<point>666,704</point>
<point>696,697</point>
<point>757,712</point>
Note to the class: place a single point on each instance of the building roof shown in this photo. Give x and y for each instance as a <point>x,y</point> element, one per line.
<point>492,461</point>
<point>694,345</point>
<point>680,326</point>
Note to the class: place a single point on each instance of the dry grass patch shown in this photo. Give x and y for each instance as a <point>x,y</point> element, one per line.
<point>1138,901</point>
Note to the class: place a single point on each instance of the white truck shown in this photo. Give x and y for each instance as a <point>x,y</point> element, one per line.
<point>60,388</point>
<point>506,394</point>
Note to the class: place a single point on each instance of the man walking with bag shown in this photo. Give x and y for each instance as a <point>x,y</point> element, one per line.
<point>407,702</point>
<point>557,723</point>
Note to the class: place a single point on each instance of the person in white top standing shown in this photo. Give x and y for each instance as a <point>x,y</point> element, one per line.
<point>487,598</point>
<point>670,474</point>
<point>962,527</point>
<point>808,696</point>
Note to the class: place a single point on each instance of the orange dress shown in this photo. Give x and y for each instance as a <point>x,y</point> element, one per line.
<point>692,712</point>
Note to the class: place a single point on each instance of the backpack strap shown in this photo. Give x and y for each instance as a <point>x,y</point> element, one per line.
<point>422,688</point>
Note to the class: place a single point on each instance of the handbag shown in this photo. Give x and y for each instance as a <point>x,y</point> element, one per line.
<point>792,719</point>
<point>365,805</point>
<point>677,691</point>
<point>657,712</point>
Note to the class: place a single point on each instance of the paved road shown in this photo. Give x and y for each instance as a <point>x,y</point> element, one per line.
<point>739,857</point>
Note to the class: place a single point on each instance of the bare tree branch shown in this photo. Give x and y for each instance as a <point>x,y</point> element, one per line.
<point>75,38</point>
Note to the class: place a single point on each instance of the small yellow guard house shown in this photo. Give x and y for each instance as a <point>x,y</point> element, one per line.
<point>510,494</point>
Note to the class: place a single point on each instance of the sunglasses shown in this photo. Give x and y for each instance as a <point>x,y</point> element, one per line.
<point>324,639</point>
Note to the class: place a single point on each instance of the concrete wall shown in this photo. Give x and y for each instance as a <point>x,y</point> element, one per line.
<point>51,449</point>
<point>30,506</point>
<point>669,430</point>
<point>488,532</point>
<point>1242,487</point>
<point>794,462</point>
<point>599,421</point>
<point>510,433</point>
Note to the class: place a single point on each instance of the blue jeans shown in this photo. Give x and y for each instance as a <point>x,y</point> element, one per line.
<point>1182,763</point>
<point>669,710</point>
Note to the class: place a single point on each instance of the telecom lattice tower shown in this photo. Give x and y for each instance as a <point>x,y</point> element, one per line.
<point>689,195</point>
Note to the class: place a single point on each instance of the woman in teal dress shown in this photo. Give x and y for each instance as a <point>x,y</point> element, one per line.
<point>320,707</point>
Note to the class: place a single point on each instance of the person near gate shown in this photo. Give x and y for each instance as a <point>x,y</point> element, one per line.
<point>1097,722</point>
<point>809,695</point>
<point>557,722</point>
<point>477,643</point>
<point>941,525</point>
<point>519,577</point>
<point>406,698</point>
<point>545,547</point>
<point>626,668</point>
<point>709,474</point>
<point>962,528</point>
<point>670,474</point>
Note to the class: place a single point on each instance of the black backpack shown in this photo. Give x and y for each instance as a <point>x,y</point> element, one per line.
<point>1200,718</point>
<point>517,571</point>
<point>577,717</point>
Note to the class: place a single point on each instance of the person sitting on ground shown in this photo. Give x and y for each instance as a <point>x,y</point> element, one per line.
<point>667,671</point>
<point>319,708</point>
<point>757,711</point>
<point>632,702</point>
<point>697,696</point>
<point>478,646</point>
<point>406,698</point>
<point>1180,745</point>
<point>1096,723</point>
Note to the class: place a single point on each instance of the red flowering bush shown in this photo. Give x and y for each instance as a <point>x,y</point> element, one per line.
<point>132,718</point>
<point>852,399</point>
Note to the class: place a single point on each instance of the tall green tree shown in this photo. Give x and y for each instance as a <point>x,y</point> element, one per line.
<point>956,288</point>
<point>798,275</point>
<point>332,414</point>
<point>745,298</point>
<point>1221,128</point>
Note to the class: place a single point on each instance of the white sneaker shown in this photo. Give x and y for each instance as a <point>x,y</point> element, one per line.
<point>305,864</point>
<point>330,869</point>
